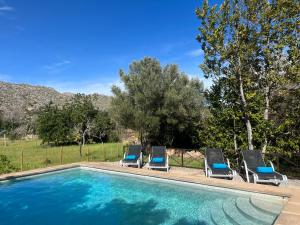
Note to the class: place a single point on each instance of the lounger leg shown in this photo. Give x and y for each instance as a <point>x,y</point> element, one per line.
<point>254,179</point>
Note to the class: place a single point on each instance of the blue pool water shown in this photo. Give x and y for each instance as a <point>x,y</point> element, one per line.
<point>85,197</point>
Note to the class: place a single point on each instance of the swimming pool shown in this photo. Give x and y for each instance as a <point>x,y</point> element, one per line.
<point>84,196</point>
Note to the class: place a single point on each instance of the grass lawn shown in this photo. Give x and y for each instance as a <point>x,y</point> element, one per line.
<point>36,155</point>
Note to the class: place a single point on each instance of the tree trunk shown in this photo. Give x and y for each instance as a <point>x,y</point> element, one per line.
<point>83,139</point>
<point>246,117</point>
<point>80,149</point>
<point>141,138</point>
<point>266,116</point>
<point>234,136</point>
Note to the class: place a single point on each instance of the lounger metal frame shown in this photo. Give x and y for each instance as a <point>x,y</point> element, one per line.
<point>166,166</point>
<point>209,173</point>
<point>256,177</point>
<point>137,163</point>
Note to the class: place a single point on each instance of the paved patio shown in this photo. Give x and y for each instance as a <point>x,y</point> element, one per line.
<point>290,214</point>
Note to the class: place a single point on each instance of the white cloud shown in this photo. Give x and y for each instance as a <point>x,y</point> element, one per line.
<point>88,87</point>
<point>195,53</point>
<point>4,8</point>
<point>58,67</point>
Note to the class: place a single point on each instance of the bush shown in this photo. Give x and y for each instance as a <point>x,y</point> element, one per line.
<point>5,165</point>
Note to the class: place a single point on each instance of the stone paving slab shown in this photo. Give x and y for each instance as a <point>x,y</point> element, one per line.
<point>290,214</point>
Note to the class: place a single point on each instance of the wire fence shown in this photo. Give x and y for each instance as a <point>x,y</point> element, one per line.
<point>31,154</point>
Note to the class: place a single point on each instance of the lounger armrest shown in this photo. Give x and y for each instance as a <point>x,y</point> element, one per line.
<point>246,170</point>
<point>141,156</point>
<point>228,163</point>
<point>272,165</point>
<point>206,166</point>
<point>167,159</point>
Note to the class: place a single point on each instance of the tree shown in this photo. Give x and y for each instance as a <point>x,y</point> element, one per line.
<point>55,125</point>
<point>161,103</point>
<point>252,44</point>
<point>82,113</point>
<point>103,128</point>
<point>224,127</point>
<point>76,121</point>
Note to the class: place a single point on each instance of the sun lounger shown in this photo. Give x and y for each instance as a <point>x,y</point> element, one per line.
<point>158,159</point>
<point>133,157</point>
<point>254,165</point>
<point>215,165</point>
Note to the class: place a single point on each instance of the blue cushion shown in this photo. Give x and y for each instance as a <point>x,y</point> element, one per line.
<point>157,160</point>
<point>263,169</point>
<point>219,166</point>
<point>130,157</point>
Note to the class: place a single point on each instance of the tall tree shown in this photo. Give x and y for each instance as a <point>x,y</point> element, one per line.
<point>228,42</point>
<point>276,31</point>
<point>161,103</point>
<point>254,45</point>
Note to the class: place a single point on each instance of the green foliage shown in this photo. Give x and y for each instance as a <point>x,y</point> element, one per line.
<point>103,128</point>
<point>252,53</point>
<point>5,165</point>
<point>55,125</point>
<point>77,121</point>
<point>82,113</point>
<point>161,103</point>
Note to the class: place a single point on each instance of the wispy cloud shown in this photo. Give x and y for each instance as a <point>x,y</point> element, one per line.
<point>58,67</point>
<point>5,8</point>
<point>5,77</point>
<point>171,47</point>
<point>195,52</point>
<point>87,87</point>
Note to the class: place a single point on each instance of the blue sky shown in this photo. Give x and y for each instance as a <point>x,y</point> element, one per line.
<point>80,45</point>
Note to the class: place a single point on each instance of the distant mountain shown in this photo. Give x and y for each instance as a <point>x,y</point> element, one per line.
<point>20,101</point>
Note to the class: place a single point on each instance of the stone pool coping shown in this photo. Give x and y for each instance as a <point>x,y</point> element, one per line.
<point>289,215</point>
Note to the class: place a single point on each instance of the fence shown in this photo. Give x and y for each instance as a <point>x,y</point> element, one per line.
<point>30,154</point>
<point>284,164</point>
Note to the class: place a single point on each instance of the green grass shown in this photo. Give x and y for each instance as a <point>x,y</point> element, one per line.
<point>36,155</point>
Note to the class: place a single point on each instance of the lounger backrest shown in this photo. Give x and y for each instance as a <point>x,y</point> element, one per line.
<point>214,155</point>
<point>253,159</point>
<point>158,151</point>
<point>134,150</point>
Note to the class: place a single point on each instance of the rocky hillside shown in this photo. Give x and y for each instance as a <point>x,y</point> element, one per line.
<point>22,100</point>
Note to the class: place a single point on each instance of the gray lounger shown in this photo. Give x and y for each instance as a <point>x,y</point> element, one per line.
<point>254,159</point>
<point>215,156</point>
<point>129,160</point>
<point>158,152</point>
